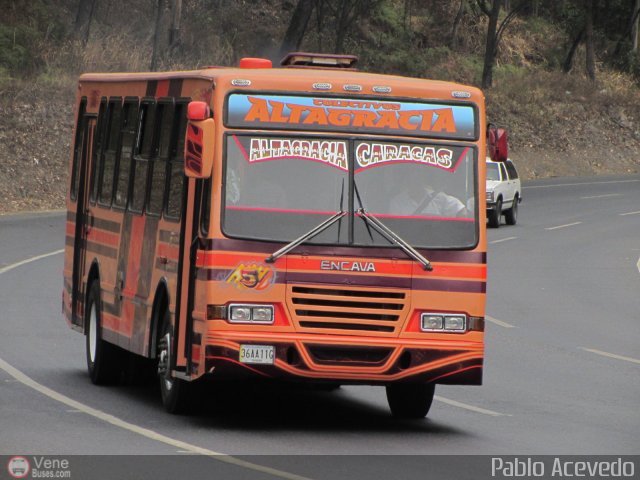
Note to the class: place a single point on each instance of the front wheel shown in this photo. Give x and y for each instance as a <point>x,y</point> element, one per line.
<point>410,400</point>
<point>511,215</point>
<point>494,215</point>
<point>104,360</point>
<point>173,390</point>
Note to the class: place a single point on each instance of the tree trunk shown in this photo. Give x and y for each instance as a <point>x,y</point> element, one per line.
<point>84,17</point>
<point>174,32</point>
<point>568,62</point>
<point>343,22</point>
<point>456,24</point>
<point>634,27</point>
<point>588,37</point>
<point>297,27</point>
<point>159,42</point>
<point>491,46</point>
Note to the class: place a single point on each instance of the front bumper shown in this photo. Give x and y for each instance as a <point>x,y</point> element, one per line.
<point>345,359</point>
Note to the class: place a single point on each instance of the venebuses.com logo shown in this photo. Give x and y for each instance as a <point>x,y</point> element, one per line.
<point>38,467</point>
<point>18,467</point>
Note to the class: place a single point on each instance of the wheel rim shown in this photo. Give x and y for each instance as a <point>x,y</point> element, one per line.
<point>164,361</point>
<point>93,333</point>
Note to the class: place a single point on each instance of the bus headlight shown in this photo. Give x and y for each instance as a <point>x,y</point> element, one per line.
<point>455,323</point>
<point>251,314</point>
<point>443,322</point>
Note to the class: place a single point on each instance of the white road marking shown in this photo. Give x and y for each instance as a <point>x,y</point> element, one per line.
<point>29,260</point>
<point>611,355</point>
<point>638,265</point>
<point>498,322</point>
<point>503,240</point>
<point>602,196</point>
<point>145,432</point>
<point>576,184</point>
<point>629,213</point>
<point>563,226</point>
<point>471,408</point>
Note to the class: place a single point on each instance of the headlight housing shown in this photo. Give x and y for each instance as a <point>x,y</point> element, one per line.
<point>443,322</point>
<point>261,314</point>
<point>490,196</point>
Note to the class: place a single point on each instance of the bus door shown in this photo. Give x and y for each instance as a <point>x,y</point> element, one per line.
<point>84,217</point>
<point>196,195</point>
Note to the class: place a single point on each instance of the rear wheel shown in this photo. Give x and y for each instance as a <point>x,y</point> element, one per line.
<point>410,400</point>
<point>511,215</point>
<point>174,391</point>
<point>104,360</point>
<point>494,215</point>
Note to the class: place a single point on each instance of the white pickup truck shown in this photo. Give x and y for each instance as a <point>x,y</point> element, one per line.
<point>504,192</point>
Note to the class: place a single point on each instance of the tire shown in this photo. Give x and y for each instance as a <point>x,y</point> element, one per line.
<point>410,400</point>
<point>104,360</point>
<point>174,391</point>
<point>511,215</point>
<point>494,215</point>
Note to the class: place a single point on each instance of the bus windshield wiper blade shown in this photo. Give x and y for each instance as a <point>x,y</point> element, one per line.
<point>393,237</point>
<point>310,234</point>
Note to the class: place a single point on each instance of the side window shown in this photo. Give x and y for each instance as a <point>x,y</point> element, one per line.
<point>108,162</point>
<point>98,144</point>
<point>513,173</point>
<point>176,162</point>
<point>144,152</point>
<point>164,124</point>
<point>503,172</point>
<point>127,139</point>
<point>77,149</point>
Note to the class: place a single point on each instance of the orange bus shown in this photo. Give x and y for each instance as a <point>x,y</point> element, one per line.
<point>306,223</point>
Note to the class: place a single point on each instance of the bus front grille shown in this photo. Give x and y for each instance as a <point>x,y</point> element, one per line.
<point>353,309</point>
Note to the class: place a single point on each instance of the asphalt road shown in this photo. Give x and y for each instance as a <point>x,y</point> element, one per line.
<point>561,374</point>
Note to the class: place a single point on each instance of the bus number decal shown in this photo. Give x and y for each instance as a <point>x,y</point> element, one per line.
<point>254,276</point>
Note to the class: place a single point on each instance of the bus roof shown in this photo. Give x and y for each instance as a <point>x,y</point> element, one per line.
<point>303,79</point>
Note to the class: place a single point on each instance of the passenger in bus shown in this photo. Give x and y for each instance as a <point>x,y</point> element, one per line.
<point>419,198</point>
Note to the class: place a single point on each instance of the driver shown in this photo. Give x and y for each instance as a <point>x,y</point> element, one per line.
<point>420,198</point>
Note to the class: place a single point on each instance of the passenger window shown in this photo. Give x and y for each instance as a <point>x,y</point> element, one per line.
<point>513,173</point>
<point>164,116</point>
<point>98,145</point>
<point>144,151</point>
<point>503,172</point>
<point>108,164</point>
<point>77,149</point>
<point>128,136</point>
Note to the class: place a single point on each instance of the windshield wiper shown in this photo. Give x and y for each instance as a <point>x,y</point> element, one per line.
<point>393,237</point>
<point>310,234</point>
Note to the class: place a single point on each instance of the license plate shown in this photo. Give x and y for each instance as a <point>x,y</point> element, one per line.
<point>262,354</point>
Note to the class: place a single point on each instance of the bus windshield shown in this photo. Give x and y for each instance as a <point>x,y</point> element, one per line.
<point>278,188</point>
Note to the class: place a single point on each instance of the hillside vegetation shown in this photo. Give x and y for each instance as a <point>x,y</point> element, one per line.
<point>559,123</point>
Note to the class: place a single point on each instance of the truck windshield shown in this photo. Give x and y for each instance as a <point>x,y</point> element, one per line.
<point>277,188</point>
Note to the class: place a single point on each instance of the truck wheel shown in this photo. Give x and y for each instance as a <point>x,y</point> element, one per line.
<point>410,400</point>
<point>494,215</point>
<point>174,391</point>
<point>511,215</point>
<point>104,360</point>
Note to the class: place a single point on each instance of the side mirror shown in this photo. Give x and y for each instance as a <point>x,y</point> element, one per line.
<point>497,140</point>
<point>199,142</point>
